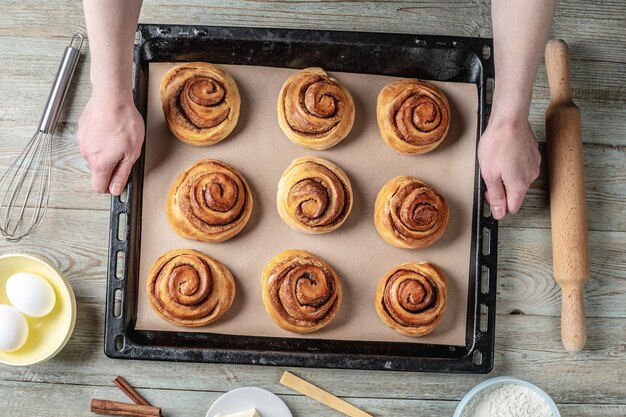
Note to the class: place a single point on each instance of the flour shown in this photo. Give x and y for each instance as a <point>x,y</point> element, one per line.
<point>507,400</point>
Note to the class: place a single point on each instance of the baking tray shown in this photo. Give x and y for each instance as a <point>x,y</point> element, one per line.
<point>438,58</point>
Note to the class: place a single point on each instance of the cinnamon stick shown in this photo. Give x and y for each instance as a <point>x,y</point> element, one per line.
<point>114,408</point>
<point>130,391</point>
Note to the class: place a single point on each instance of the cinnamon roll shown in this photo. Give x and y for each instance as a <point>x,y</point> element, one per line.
<point>314,195</point>
<point>410,214</point>
<point>411,298</point>
<point>200,103</point>
<point>189,288</point>
<point>301,292</point>
<point>413,116</point>
<point>209,202</point>
<point>314,110</point>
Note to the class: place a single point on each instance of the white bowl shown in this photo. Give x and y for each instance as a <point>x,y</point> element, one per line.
<point>505,380</point>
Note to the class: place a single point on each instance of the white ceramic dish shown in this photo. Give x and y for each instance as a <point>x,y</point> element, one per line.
<point>505,380</point>
<point>49,334</point>
<point>266,403</point>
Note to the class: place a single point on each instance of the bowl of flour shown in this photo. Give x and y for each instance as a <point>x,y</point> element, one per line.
<point>506,397</point>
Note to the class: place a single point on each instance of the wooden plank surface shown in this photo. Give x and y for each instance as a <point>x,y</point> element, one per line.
<point>528,343</point>
<point>196,403</point>
<point>593,376</point>
<point>33,34</point>
<point>601,98</point>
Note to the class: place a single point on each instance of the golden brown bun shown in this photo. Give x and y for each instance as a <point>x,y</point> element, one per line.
<point>301,292</point>
<point>410,214</point>
<point>210,202</point>
<point>200,102</point>
<point>314,110</point>
<point>314,195</point>
<point>411,298</point>
<point>413,116</point>
<point>189,288</point>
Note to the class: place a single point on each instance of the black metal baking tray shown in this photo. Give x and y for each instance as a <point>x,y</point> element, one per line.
<point>426,57</point>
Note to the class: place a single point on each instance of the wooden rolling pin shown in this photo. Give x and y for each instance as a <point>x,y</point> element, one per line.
<point>568,208</point>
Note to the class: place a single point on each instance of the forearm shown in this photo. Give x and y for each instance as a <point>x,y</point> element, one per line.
<point>520,32</point>
<point>111,26</point>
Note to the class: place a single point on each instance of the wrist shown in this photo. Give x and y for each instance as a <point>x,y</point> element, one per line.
<point>114,88</point>
<point>112,96</point>
<point>508,114</point>
<point>510,107</point>
<point>110,104</point>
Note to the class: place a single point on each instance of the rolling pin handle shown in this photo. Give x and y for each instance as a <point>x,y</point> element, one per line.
<point>573,324</point>
<point>559,70</point>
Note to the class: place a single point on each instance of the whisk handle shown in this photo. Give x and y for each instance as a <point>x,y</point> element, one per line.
<point>61,85</point>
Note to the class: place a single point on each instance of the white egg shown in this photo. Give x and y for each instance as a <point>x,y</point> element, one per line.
<point>30,294</point>
<point>13,329</point>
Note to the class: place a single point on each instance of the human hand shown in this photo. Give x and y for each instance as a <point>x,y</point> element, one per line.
<point>509,160</point>
<point>110,135</point>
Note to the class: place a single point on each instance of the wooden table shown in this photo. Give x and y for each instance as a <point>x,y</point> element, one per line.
<point>74,235</point>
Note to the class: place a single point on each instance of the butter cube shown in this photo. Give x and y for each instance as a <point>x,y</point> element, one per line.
<point>246,413</point>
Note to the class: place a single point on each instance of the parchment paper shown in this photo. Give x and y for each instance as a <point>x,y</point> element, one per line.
<point>260,150</point>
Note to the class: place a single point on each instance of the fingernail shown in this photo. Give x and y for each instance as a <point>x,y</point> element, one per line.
<point>117,188</point>
<point>498,212</point>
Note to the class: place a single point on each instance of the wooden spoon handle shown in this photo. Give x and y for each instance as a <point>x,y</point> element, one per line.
<point>303,387</point>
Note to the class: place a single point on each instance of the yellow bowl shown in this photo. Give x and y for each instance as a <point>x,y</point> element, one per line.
<point>46,335</point>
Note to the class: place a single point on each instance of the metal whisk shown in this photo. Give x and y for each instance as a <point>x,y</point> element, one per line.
<point>25,186</point>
